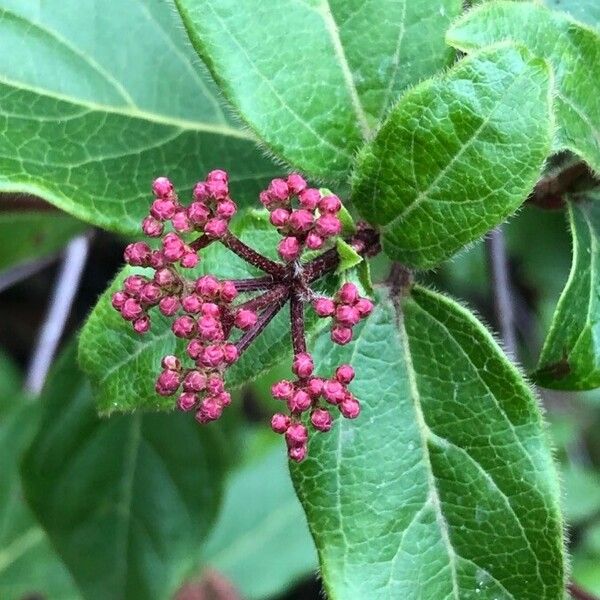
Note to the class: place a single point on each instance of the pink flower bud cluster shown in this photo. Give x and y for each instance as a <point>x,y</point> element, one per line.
<point>346,308</point>
<point>308,226</point>
<point>311,394</point>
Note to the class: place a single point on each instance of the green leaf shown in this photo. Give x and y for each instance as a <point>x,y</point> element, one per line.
<point>582,494</point>
<point>444,487</point>
<point>110,351</point>
<point>586,11</point>
<point>94,106</point>
<point>126,501</point>
<point>314,78</point>
<point>457,155</point>
<point>349,257</point>
<point>28,235</point>
<point>28,564</point>
<point>261,542</point>
<point>572,50</point>
<point>570,358</point>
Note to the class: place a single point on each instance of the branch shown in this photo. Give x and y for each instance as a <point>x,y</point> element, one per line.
<point>297,321</point>
<point>579,594</point>
<point>251,256</point>
<point>18,273</point>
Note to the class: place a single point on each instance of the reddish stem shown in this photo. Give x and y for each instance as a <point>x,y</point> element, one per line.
<point>254,284</point>
<point>201,242</point>
<point>579,594</point>
<point>251,256</point>
<point>297,321</point>
<point>264,300</point>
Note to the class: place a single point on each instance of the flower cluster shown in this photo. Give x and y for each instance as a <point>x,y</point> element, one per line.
<point>215,321</point>
<point>308,226</point>
<point>307,393</point>
<point>347,308</point>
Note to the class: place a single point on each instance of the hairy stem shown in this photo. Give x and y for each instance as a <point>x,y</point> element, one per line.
<point>254,284</point>
<point>297,321</point>
<point>579,594</point>
<point>251,256</point>
<point>265,300</point>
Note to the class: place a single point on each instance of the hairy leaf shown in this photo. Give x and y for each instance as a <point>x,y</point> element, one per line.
<point>586,11</point>
<point>444,487</point>
<point>261,541</point>
<point>456,156</point>
<point>314,78</point>
<point>572,50</point>
<point>127,501</point>
<point>96,104</point>
<point>570,358</point>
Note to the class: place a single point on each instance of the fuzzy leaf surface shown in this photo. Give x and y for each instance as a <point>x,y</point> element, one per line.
<point>573,51</point>
<point>314,78</point>
<point>570,358</point>
<point>444,487</point>
<point>95,106</point>
<point>127,501</point>
<point>456,156</point>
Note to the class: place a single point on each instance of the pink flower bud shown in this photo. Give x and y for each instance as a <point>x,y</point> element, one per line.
<point>162,209</point>
<point>192,303</point>
<point>347,315</point>
<point>314,387</point>
<point>210,309</point>
<point>187,401</point>
<point>208,286</point>
<point>333,391</point>
<point>299,402</point>
<point>348,294</point>
<point>189,260</point>
<point>226,209</point>
<point>297,453</point>
<point>328,225</point>
<point>296,434</point>
<point>165,278</point>
<point>134,284</point>
<point>350,407</point>
<point>170,362</point>
<point>279,217</point>
<point>209,329</point>
<point>157,260</point>
<point>266,199</point>
<point>217,189</point>
<point>289,248</point>
<point>194,381</point>
<point>137,254</point>
<point>167,383</point>
<point>344,374</point>
<point>218,175</point>
<point>131,309</point>
<point>210,410</point>
<point>309,198</point>
<point>280,423</point>
<point>151,293</point>
<point>152,228</point>
<point>278,189</point>
<point>198,213</point>
<point>142,325</point>
<point>118,299</point>
<point>330,204</point>
<point>228,291</point>
<point>300,221</point>
<point>173,247</point>
<point>215,228</point>
<point>162,187</point>
<point>195,349</point>
<point>201,191</point>
<point>303,365</point>
<point>314,241</point>
<point>341,335</point>
<point>321,419</point>
<point>230,353</point>
<point>364,306</point>
<point>212,356</point>
<point>215,385</point>
<point>184,327</point>
<point>296,183</point>
<point>181,222</point>
<point>169,305</point>
<point>282,390</point>
<point>324,307</point>
<point>244,319</point>
<point>224,398</point>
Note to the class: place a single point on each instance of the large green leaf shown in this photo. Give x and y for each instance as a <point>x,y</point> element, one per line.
<point>28,564</point>
<point>572,50</point>
<point>261,541</point>
<point>570,359</point>
<point>313,78</point>
<point>126,501</point>
<point>110,351</point>
<point>27,235</point>
<point>98,100</point>
<point>456,156</point>
<point>444,487</point>
<point>586,11</point>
